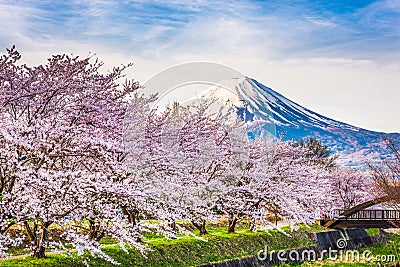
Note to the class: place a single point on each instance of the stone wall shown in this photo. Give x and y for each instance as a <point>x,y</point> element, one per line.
<point>352,239</point>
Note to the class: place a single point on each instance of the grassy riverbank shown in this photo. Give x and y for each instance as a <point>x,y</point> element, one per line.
<point>184,251</point>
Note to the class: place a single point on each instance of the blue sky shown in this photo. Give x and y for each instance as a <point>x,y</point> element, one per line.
<point>339,58</point>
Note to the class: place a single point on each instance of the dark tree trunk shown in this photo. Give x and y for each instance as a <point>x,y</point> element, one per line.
<point>232,224</point>
<point>133,215</point>
<point>172,224</point>
<point>253,225</point>
<point>133,218</point>
<point>39,252</point>
<point>201,227</point>
<point>96,233</point>
<point>38,238</point>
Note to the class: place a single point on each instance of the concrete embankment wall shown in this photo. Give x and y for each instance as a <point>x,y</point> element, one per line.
<point>327,241</point>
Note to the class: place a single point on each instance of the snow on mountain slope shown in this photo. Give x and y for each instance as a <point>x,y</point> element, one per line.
<point>270,113</point>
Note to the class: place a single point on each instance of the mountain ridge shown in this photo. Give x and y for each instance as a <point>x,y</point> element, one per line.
<point>270,113</point>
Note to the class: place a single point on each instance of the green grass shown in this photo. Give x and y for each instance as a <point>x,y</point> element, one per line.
<point>372,231</point>
<point>184,251</point>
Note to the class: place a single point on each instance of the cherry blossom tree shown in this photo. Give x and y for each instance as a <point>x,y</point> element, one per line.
<point>274,178</point>
<point>62,152</point>
<point>190,154</point>
<point>386,176</point>
<point>350,187</point>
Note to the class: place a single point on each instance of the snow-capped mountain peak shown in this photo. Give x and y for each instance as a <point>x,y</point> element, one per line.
<point>279,116</point>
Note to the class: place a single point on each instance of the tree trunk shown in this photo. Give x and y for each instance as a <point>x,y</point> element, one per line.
<point>133,215</point>
<point>253,225</point>
<point>39,252</point>
<point>38,238</point>
<point>203,230</point>
<point>201,227</point>
<point>96,233</point>
<point>172,224</point>
<point>232,223</point>
<point>133,219</point>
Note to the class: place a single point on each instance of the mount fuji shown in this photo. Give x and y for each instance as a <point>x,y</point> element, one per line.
<point>269,113</point>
